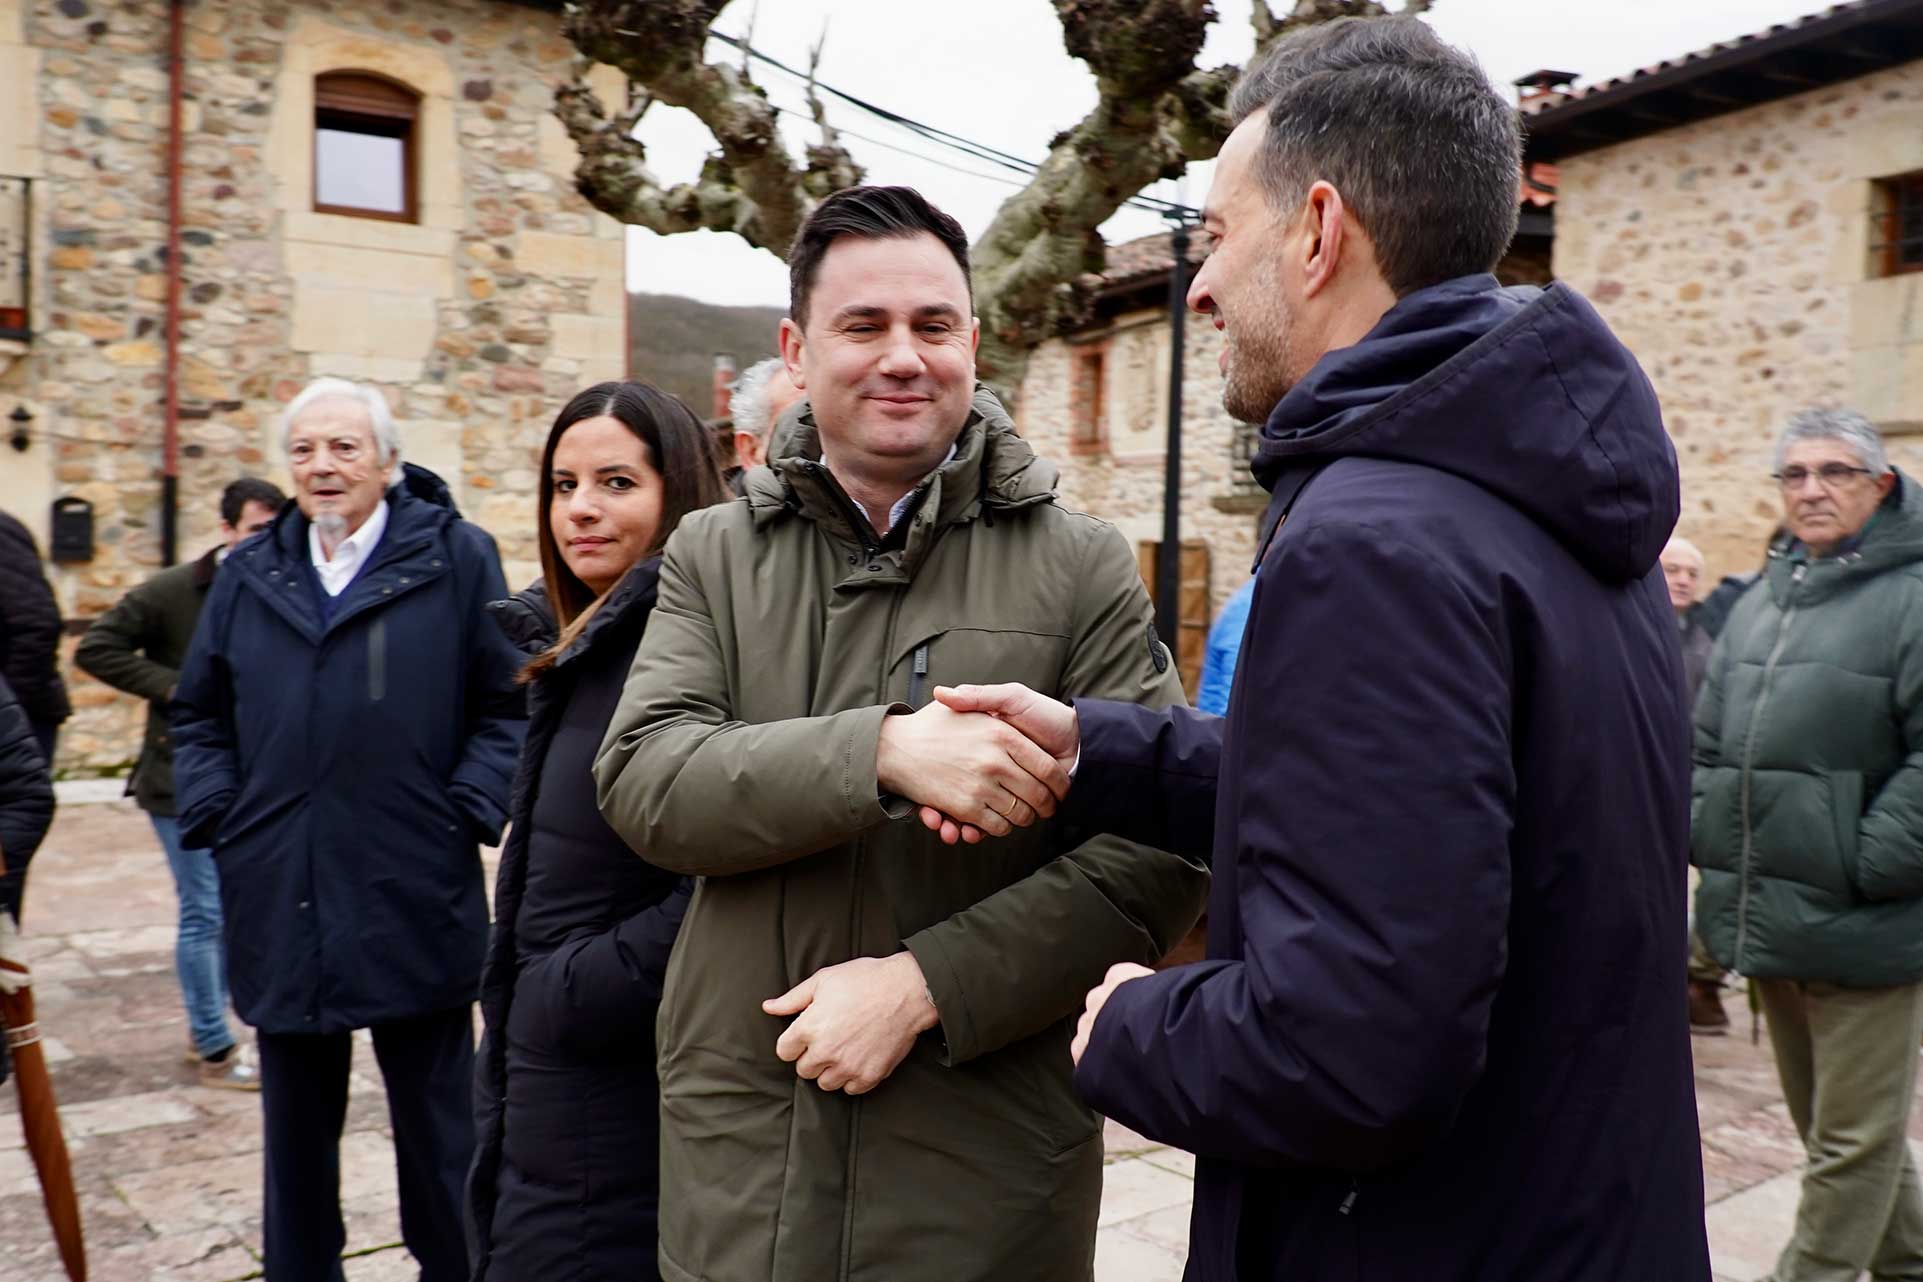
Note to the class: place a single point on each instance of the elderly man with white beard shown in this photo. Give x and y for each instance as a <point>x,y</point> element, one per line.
<point>346,727</point>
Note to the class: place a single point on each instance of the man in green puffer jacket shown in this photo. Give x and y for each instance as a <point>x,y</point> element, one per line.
<point>1808,826</point>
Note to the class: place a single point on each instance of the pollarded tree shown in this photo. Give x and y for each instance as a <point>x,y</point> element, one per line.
<point>1156,111</point>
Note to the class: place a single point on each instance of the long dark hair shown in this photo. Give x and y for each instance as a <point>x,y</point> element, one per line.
<point>679,448</point>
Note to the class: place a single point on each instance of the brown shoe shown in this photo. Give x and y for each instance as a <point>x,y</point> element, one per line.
<point>1706,1016</point>
<point>235,1073</point>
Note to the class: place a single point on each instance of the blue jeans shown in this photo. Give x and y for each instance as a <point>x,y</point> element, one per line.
<point>200,958</point>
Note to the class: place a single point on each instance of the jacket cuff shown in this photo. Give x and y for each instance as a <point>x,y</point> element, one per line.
<point>199,826</point>
<point>861,783</point>
<point>951,1003</point>
<point>482,813</point>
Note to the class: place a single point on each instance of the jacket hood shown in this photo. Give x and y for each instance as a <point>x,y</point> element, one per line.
<point>993,467</point>
<point>417,482</point>
<point>1525,392</point>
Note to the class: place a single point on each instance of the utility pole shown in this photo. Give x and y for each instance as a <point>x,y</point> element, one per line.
<point>1168,565</point>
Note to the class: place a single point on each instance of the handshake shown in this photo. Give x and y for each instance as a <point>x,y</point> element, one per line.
<point>980,760</point>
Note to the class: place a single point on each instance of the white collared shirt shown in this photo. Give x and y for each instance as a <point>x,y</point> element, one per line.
<point>351,555</point>
<point>901,504</point>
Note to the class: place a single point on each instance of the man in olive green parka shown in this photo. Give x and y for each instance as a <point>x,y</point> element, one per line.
<point>1808,826</point>
<point>863,1039</point>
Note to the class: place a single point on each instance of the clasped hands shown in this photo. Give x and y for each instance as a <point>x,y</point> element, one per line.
<point>980,760</point>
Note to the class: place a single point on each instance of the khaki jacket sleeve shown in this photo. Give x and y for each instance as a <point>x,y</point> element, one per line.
<point>703,794</point>
<point>1023,959</point>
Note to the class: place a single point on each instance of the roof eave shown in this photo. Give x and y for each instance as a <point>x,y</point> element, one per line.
<point>1811,54</point>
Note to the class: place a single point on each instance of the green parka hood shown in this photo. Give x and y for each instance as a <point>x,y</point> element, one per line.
<point>993,468</point>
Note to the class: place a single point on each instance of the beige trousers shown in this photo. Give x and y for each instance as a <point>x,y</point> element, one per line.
<point>1847,1058</point>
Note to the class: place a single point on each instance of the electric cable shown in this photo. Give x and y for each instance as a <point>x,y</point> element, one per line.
<point>978,151</point>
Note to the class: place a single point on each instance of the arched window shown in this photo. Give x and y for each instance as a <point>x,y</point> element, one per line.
<point>364,146</point>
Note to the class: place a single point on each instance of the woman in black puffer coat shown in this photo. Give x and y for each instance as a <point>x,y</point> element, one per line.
<point>564,1182</point>
<point>26,798</point>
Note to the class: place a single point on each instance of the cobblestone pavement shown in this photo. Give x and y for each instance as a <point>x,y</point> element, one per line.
<point>169,1171</point>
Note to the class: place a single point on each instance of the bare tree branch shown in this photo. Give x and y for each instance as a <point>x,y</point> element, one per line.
<point>751,188</point>
<point>1155,112</point>
<point>1307,13</point>
<point>830,167</point>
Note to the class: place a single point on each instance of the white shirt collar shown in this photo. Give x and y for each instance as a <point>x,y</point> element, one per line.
<point>351,555</point>
<point>901,504</point>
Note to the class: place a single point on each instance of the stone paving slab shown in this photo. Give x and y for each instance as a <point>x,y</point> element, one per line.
<point>168,1171</point>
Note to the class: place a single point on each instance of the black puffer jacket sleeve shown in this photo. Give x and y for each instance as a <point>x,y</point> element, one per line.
<point>29,628</point>
<point>26,798</point>
<point>526,618</point>
<point>598,991</point>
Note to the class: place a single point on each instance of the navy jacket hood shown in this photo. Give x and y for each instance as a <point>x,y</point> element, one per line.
<point>1523,391</point>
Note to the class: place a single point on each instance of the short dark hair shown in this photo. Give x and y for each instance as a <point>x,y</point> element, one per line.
<point>872,213</point>
<point>248,489</point>
<point>1408,128</point>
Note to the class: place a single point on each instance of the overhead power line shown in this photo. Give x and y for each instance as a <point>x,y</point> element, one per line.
<point>943,137</point>
<point>1004,179</point>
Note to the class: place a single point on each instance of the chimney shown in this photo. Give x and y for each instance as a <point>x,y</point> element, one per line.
<point>723,378</point>
<point>1541,84</point>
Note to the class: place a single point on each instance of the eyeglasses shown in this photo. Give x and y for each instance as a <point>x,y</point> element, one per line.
<point>1830,475</point>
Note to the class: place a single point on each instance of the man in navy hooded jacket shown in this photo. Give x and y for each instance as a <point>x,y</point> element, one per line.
<point>346,726</point>
<point>1440,1033</point>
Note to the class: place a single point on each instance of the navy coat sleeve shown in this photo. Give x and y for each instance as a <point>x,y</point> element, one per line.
<point>496,709</point>
<point>589,992</point>
<point>1147,774</point>
<point>206,774</point>
<point>1372,816</point>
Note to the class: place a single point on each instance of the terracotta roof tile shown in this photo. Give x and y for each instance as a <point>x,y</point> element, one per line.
<point>1535,104</point>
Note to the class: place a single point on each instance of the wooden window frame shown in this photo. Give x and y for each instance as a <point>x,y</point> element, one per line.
<point>1893,198</point>
<point>365,103</point>
<point>1088,399</point>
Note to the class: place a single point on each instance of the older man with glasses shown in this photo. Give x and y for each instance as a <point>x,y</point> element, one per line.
<point>1808,826</point>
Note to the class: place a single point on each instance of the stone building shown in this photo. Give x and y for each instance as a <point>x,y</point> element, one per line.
<point>1749,218</point>
<point>376,190</point>
<point>1096,402</point>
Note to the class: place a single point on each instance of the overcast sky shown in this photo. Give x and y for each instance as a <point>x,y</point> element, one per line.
<point>995,71</point>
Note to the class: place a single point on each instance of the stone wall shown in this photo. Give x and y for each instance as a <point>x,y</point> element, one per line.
<point>1121,480</point>
<point>1732,257</point>
<point>476,322</point>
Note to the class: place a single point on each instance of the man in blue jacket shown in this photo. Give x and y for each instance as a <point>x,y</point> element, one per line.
<point>345,730</point>
<point>1440,1033</point>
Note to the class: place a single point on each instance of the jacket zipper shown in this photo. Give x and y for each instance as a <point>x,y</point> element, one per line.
<point>918,676</point>
<point>1749,758</point>
<point>377,659</point>
<point>851,1168</point>
<point>858,524</point>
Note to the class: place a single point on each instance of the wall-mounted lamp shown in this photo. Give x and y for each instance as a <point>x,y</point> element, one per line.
<point>19,437</point>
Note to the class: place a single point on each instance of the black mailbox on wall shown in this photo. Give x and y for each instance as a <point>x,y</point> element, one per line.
<point>72,530</point>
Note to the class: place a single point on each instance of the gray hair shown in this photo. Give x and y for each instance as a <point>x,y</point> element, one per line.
<point>1426,154</point>
<point>749,405</point>
<point>1846,426</point>
<point>387,436</point>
